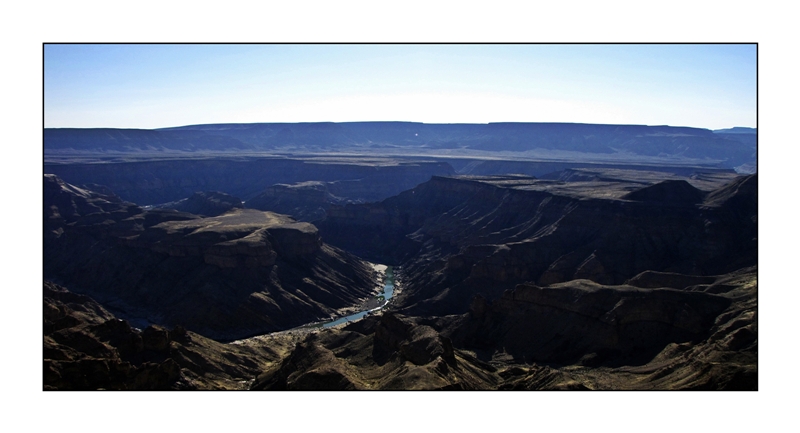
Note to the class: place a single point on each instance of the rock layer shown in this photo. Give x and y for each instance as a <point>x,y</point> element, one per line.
<point>457,237</point>
<point>205,203</point>
<point>588,280</point>
<point>158,180</point>
<point>238,274</point>
<point>572,336</point>
<point>573,139</point>
<point>87,348</point>
<point>581,321</point>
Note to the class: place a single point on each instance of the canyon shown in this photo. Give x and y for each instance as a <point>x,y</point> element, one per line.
<point>207,256</point>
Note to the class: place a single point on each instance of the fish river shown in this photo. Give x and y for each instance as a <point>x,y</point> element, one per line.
<point>382,300</point>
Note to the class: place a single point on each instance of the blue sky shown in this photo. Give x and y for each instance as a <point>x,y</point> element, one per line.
<point>151,86</point>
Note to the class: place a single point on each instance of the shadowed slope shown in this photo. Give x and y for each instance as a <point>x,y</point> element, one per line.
<point>457,237</point>
<point>87,348</point>
<point>238,274</point>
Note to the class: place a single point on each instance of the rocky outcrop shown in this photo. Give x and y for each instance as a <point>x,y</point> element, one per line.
<point>463,236</point>
<point>295,239</point>
<point>238,274</point>
<point>240,238</point>
<point>380,231</point>
<point>160,180</point>
<point>205,203</point>
<point>618,337</point>
<point>581,321</point>
<point>509,282</point>
<point>304,201</point>
<point>388,353</point>
<point>67,204</point>
<point>310,367</point>
<point>653,279</point>
<point>571,336</point>
<point>419,344</point>
<point>668,193</point>
<point>87,348</point>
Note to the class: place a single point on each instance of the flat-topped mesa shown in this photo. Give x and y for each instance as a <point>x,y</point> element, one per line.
<point>242,273</point>
<point>206,203</point>
<point>668,192</point>
<point>161,179</point>
<point>467,186</point>
<point>312,190</point>
<point>619,143</point>
<point>241,237</point>
<point>304,201</point>
<point>295,239</point>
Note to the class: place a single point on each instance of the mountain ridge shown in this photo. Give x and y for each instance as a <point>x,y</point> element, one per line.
<point>601,139</point>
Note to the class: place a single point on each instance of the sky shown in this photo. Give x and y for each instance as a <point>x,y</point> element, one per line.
<point>152,86</point>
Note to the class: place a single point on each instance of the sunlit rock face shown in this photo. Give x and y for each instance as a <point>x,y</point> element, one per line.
<point>239,238</point>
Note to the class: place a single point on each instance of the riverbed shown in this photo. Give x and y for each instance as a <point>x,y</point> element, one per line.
<point>372,305</point>
<point>387,289</point>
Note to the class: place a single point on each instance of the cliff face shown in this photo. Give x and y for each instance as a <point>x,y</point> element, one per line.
<point>699,337</point>
<point>459,237</point>
<point>584,319</point>
<point>241,273</point>
<point>304,201</point>
<point>205,203</point>
<point>167,180</point>
<point>392,352</point>
<point>133,140</point>
<point>372,137</point>
<point>577,335</point>
<point>87,348</point>
<point>593,279</point>
<point>239,238</point>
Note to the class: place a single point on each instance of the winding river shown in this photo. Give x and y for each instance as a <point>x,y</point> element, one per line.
<point>382,300</point>
<point>379,302</point>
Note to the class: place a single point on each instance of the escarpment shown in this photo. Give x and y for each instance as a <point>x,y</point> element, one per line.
<point>241,273</point>
<point>577,335</point>
<point>166,180</point>
<point>463,236</point>
<point>88,348</point>
<point>304,201</point>
<point>590,279</point>
<point>243,237</point>
<point>205,203</point>
<point>581,321</point>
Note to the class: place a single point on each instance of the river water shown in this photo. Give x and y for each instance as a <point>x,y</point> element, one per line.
<point>371,306</point>
<point>388,292</point>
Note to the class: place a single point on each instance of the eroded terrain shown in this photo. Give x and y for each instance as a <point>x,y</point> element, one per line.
<point>509,282</point>
<point>218,272</point>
